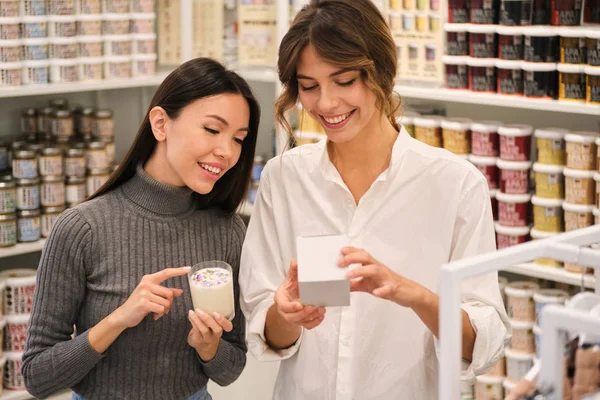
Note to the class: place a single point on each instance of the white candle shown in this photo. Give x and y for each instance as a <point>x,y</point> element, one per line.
<point>212,291</point>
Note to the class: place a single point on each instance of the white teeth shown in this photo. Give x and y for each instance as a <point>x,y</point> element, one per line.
<point>338,119</point>
<point>209,168</point>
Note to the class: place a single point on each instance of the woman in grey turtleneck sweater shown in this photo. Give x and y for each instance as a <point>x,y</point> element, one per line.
<point>112,266</point>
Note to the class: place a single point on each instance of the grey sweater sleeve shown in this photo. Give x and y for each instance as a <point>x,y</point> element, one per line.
<point>52,360</point>
<point>230,360</point>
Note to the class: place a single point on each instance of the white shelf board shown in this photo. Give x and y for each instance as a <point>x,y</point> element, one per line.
<point>258,74</point>
<point>490,99</point>
<point>22,248</point>
<point>23,395</point>
<point>555,274</point>
<point>59,88</point>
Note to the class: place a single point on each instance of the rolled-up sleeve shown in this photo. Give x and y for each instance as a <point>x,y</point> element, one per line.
<point>262,272</point>
<point>481,299</point>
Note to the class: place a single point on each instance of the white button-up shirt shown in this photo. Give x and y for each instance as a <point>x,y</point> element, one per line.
<point>429,207</point>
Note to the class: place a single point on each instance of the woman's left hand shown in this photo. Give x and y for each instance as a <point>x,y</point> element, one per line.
<point>375,278</point>
<point>206,332</point>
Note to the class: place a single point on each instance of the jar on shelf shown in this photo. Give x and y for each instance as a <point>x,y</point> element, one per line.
<point>86,121</point>
<point>63,48</point>
<point>51,162</point>
<point>11,74</point>
<point>482,74</point>
<point>91,46</point>
<point>146,44</point>
<point>36,72</point>
<point>540,80</point>
<point>62,26</point>
<point>116,6</point>
<point>64,71</point>
<point>510,77</point>
<point>29,120</point>
<point>541,44</point>
<point>95,156</point>
<point>61,7</point>
<point>24,164</point>
<point>75,190</point>
<point>110,150</point>
<point>592,88</point>
<point>573,47</point>
<point>142,6</point>
<point>571,82</point>
<point>45,120</point>
<point>89,7</point>
<point>33,8</point>
<point>75,162</point>
<point>62,124</point>
<point>115,24</point>
<point>482,41</point>
<point>510,43</point>
<point>28,226</point>
<point>4,156</point>
<point>89,25</point>
<point>34,27</point>
<point>96,178</point>
<point>91,69</point>
<point>144,23</point>
<point>52,191</point>
<point>593,47</point>
<point>117,67</point>
<point>9,8</point>
<point>144,65</point>
<point>9,28</point>
<point>49,217</point>
<point>10,50</point>
<point>103,125</point>
<point>8,230</point>
<point>515,12</point>
<point>8,197</point>
<point>117,45</point>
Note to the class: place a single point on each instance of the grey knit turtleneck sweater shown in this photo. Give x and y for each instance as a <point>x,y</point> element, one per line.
<point>94,258</point>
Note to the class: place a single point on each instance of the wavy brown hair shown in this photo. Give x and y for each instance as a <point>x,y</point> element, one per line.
<point>191,81</point>
<point>350,34</point>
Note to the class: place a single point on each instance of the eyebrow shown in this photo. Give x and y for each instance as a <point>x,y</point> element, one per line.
<point>224,122</point>
<point>341,71</point>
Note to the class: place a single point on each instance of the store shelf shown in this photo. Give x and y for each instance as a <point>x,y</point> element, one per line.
<point>59,88</point>
<point>22,248</point>
<point>553,274</point>
<point>257,74</point>
<point>23,395</point>
<point>463,96</point>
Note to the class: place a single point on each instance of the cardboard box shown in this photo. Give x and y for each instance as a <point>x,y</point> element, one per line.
<point>321,281</point>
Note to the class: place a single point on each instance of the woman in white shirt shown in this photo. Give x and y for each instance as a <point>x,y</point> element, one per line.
<point>407,208</point>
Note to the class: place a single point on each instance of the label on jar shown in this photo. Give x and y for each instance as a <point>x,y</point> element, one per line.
<point>75,193</point>
<point>457,44</point>
<point>91,50</point>
<point>458,11</point>
<point>458,142</point>
<point>541,12</point>
<point>8,233</point>
<point>53,194</point>
<point>75,166</point>
<point>25,168</point>
<point>571,86</point>
<point>504,241</point>
<point>579,191</point>
<point>485,144</point>
<point>510,81</point>
<point>482,12</point>
<point>110,153</point>
<point>574,220</point>
<point>28,197</point>
<point>593,51</point>
<point>580,156</point>
<point>483,45</point>
<point>8,200</point>
<point>592,94</point>
<point>572,50</point>
<point>51,165</point>
<point>515,13</point>
<point>457,77</point>
<point>62,127</point>
<point>491,175</point>
<point>104,128</point>
<point>48,221</point>
<point>431,136</point>
<point>515,148</point>
<point>541,49</point>
<point>482,79</point>
<point>511,214</point>
<point>95,182</point>
<point>511,47</point>
<point>62,7</point>
<point>565,12</point>
<point>539,84</point>
<point>28,229</point>
<point>96,159</point>
<point>514,182</point>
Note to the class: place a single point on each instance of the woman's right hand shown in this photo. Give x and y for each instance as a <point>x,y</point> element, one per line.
<point>287,302</point>
<point>149,297</point>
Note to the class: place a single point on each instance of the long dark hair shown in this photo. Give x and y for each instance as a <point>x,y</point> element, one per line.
<point>191,81</point>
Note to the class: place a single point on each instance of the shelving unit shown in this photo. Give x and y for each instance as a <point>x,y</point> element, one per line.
<point>554,274</point>
<point>22,248</point>
<point>467,97</point>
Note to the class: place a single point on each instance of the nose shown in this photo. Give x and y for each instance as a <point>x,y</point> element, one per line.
<point>328,101</point>
<point>224,148</point>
